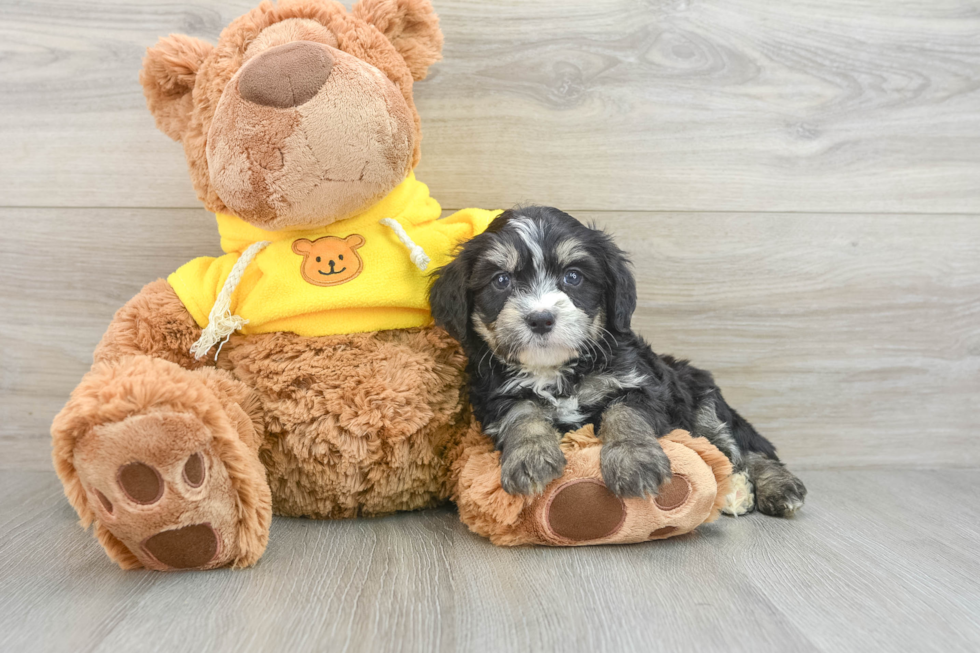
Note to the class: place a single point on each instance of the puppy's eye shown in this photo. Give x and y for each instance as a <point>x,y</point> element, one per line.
<point>501,281</point>
<point>572,277</point>
<point>341,257</point>
<point>317,259</point>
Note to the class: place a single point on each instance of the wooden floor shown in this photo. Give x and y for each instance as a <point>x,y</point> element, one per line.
<point>798,184</point>
<point>878,561</point>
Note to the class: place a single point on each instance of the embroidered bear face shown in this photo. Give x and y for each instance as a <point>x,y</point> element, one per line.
<point>330,261</point>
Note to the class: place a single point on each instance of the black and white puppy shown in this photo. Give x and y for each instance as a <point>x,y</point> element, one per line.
<point>542,306</point>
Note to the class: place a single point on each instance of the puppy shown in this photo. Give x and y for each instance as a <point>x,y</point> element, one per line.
<point>542,306</point>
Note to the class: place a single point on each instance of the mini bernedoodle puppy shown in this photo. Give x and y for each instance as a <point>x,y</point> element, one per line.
<point>542,306</point>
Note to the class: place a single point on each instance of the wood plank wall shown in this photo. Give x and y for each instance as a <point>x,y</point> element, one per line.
<point>798,184</point>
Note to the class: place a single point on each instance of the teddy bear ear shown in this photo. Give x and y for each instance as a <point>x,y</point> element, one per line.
<point>169,71</point>
<point>412,27</point>
<point>302,246</point>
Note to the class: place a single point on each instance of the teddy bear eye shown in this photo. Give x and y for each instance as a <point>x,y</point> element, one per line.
<point>341,257</point>
<point>317,259</point>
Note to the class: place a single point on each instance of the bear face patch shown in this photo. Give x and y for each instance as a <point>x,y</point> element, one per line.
<point>330,261</point>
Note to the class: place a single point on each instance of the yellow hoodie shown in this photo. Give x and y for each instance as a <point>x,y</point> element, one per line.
<point>352,276</point>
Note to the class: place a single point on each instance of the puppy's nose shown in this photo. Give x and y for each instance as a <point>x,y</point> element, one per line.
<point>286,75</point>
<point>541,322</point>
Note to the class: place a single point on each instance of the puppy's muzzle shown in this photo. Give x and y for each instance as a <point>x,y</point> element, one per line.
<point>540,322</point>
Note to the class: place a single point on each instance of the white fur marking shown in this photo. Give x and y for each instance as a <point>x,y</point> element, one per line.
<point>792,506</point>
<point>518,412</point>
<point>596,387</point>
<point>568,250</point>
<point>567,410</point>
<point>504,255</point>
<point>530,233</point>
<point>742,497</point>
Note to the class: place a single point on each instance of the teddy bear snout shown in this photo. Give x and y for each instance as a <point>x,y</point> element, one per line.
<point>287,75</point>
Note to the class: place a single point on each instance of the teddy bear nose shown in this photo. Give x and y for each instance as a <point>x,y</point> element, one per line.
<point>286,75</point>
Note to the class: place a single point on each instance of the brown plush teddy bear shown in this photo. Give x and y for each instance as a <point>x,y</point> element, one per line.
<point>300,372</point>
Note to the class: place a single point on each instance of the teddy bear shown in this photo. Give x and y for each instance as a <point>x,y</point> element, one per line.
<point>300,373</point>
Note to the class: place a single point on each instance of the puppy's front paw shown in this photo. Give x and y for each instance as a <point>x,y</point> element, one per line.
<point>780,496</point>
<point>777,491</point>
<point>529,468</point>
<point>634,467</point>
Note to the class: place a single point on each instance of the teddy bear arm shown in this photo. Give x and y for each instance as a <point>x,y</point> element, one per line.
<point>154,323</point>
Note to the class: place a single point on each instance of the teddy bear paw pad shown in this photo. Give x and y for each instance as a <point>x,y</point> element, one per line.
<point>585,509</point>
<point>189,547</point>
<point>673,493</point>
<point>141,483</point>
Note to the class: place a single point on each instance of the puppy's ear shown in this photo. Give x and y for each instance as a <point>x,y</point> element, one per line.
<point>449,298</point>
<point>622,296</point>
<point>497,224</point>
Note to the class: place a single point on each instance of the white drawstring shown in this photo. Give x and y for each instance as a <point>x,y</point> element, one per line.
<point>221,323</point>
<point>416,253</point>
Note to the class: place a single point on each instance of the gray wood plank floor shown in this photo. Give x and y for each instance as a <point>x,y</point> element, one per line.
<point>879,560</point>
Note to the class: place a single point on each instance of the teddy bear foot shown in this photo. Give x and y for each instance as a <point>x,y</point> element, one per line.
<point>158,486</point>
<point>165,465</point>
<point>578,509</point>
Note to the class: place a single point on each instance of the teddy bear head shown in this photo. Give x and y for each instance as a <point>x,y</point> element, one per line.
<point>302,114</point>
